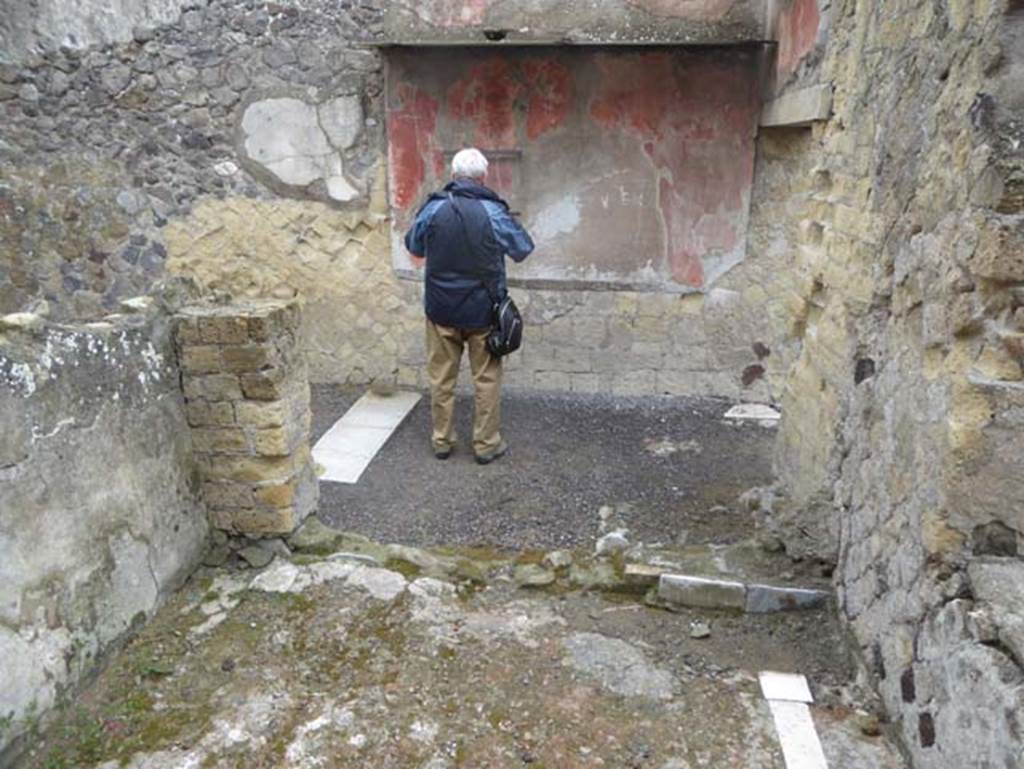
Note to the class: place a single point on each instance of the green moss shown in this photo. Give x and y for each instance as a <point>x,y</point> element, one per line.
<point>408,570</point>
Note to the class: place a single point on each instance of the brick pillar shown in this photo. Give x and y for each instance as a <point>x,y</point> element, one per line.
<point>247,401</point>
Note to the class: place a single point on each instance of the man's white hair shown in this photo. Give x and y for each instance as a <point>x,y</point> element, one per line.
<point>469,163</point>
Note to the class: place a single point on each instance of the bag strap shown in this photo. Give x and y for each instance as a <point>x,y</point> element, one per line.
<point>481,275</point>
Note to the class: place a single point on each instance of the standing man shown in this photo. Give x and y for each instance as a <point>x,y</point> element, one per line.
<point>463,234</point>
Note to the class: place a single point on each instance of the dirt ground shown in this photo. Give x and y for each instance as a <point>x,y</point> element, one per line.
<point>331,662</point>
<point>673,466</point>
<point>440,631</point>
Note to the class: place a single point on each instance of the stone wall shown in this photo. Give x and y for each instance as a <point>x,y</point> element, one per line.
<point>901,448</point>
<point>153,156</point>
<point>101,516</point>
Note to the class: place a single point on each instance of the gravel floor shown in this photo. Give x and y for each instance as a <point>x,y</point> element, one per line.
<point>672,466</point>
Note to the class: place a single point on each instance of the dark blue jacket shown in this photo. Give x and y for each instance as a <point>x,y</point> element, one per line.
<point>464,232</point>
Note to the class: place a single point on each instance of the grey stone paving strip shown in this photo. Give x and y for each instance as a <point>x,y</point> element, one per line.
<point>709,593</point>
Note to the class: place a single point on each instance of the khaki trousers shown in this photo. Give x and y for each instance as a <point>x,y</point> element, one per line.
<point>444,353</point>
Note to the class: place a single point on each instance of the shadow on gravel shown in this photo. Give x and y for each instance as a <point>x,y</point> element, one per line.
<point>671,467</point>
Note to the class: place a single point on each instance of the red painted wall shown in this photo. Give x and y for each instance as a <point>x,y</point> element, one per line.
<point>631,167</point>
<point>797,31</point>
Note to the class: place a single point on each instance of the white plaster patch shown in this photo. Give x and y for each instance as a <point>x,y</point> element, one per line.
<point>225,168</point>
<point>133,587</point>
<point>756,412</point>
<point>518,621</point>
<point>560,218</point>
<point>312,738</point>
<point>206,627</point>
<point>342,120</point>
<point>33,664</point>
<point>667,447</point>
<point>382,584</point>
<point>279,578</point>
<point>423,731</point>
<point>20,377</point>
<point>285,136</point>
<point>285,577</point>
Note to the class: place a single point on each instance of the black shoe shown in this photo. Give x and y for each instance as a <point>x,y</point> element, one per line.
<point>442,453</point>
<point>498,453</point>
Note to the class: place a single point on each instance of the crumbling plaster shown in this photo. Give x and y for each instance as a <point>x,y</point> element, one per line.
<point>101,517</point>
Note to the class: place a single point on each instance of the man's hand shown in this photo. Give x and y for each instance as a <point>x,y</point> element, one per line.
<point>417,261</point>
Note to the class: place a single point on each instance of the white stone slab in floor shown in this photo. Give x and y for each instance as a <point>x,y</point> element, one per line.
<point>785,686</point>
<point>348,447</point>
<point>788,695</point>
<point>801,748</point>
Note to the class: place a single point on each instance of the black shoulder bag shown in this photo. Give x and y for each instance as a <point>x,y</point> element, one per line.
<point>506,335</point>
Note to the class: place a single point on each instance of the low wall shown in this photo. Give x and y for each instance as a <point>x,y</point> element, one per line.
<point>361,323</point>
<point>99,498</point>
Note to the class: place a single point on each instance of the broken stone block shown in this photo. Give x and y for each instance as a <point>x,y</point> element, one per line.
<point>256,556</point>
<point>20,321</point>
<point>700,592</point>
<point>313,536</point>
<point>700,630</point>
<point>642,575</point>
<point>532,575</point>
<point>595,575</point>
<point>763,599</point>
<point>557,559</point>
<point>998,583</point>
<point>421,559</point>
<point>613,543</point>
<point>217,556</point>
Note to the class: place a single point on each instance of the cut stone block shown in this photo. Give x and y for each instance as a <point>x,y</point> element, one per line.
<point>702,593</point>
<point>210,414</point>
<point>762,599</point>
<point>642,574</point>
<point>798,108</point>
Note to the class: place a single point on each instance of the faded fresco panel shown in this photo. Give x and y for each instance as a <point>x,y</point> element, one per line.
<point>632,168</point>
